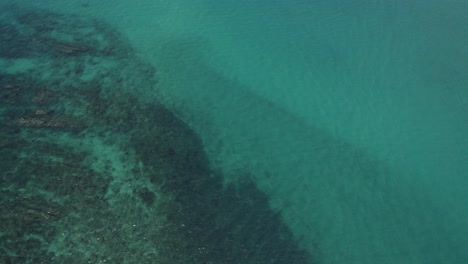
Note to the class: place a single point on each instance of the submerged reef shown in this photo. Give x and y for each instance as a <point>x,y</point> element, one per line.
<point>90,172</point>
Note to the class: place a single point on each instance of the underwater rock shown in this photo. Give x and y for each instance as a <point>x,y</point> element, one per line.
<point>31,122</point>
<point>55,121</point>
<point>44,98</point>
<point>29,211</point>
<point>91,172</point>
<point>6,142</point>
<point>68,48</point>
<point>8,90</point>
<point>41,112</point>
<point>13,45</point>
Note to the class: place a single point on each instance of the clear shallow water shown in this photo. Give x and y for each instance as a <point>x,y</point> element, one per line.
<point>351,116</point>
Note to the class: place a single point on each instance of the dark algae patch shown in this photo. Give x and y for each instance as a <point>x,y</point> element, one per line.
<point>91,173</point>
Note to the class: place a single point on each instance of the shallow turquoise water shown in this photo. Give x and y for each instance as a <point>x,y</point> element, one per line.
<point>351,114</point>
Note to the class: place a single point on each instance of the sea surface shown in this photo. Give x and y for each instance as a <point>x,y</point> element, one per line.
<point>351,116</point>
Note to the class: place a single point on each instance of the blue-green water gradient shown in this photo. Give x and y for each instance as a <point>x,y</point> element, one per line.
<point>351,114</point>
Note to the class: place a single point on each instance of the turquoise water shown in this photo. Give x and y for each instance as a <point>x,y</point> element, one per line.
<point>352,115</point>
